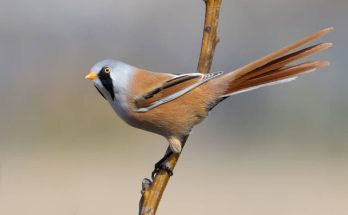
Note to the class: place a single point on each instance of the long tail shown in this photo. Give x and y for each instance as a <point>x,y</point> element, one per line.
<point>274,68</point>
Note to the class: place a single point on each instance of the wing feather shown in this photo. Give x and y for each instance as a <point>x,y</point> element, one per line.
<point>172,89</point>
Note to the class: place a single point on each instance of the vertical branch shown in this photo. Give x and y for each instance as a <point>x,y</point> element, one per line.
<point>210,38</point>
<point>152,191</point>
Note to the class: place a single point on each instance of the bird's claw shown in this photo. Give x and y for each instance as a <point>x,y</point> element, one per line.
<point>159,167</point>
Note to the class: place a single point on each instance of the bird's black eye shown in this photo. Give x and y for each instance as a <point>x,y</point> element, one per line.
<point>107,70</point>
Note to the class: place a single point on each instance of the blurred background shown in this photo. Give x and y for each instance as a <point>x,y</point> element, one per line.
<point>277,150</point>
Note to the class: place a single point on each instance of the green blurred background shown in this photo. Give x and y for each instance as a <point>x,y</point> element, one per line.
<point>280,150</point>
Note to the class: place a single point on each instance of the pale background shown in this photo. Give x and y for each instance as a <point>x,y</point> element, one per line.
<point>281,150</point>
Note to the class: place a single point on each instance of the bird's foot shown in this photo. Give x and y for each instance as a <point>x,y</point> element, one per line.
<point>161,165</point>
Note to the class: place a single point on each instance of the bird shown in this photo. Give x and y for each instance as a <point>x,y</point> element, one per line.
<point>172,104</point>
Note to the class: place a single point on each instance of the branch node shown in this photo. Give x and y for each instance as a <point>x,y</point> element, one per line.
<point>146,184</point>
<point>207,29</point>
<point>217,40</point>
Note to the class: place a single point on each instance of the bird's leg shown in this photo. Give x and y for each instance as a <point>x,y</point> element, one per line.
<point>175,146</point>
<point>161,165</point>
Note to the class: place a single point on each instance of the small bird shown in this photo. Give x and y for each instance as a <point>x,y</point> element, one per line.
<point>171,105</point>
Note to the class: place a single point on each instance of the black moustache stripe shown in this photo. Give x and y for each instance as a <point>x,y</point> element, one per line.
<point>99,91</point>
<point>107,82</point>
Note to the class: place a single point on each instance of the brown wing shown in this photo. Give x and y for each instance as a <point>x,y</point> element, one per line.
<point>171,89</point>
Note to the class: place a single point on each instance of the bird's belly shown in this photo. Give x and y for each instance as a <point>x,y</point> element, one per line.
<point>172,119</point>
<point>165,120</point>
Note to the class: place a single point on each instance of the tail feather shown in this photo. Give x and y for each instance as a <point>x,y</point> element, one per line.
<point>243,90</point>
<point>275,67</point>
<point>283,61</point>
<point>276,76</point>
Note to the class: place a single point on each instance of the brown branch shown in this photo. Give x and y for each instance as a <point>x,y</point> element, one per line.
<point>152,191</point>
<point>210,38</point>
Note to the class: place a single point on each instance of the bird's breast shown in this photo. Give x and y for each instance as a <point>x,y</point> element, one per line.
<point>122,108</point>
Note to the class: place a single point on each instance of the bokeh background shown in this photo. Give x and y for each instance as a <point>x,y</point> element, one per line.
<point>277,150</point>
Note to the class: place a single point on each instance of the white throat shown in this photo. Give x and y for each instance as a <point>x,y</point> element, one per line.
<point>122,76</point>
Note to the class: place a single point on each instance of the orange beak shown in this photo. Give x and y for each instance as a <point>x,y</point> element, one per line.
<point>91,76</point>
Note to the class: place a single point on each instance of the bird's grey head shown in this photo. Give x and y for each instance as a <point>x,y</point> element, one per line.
<point>108,77</point>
